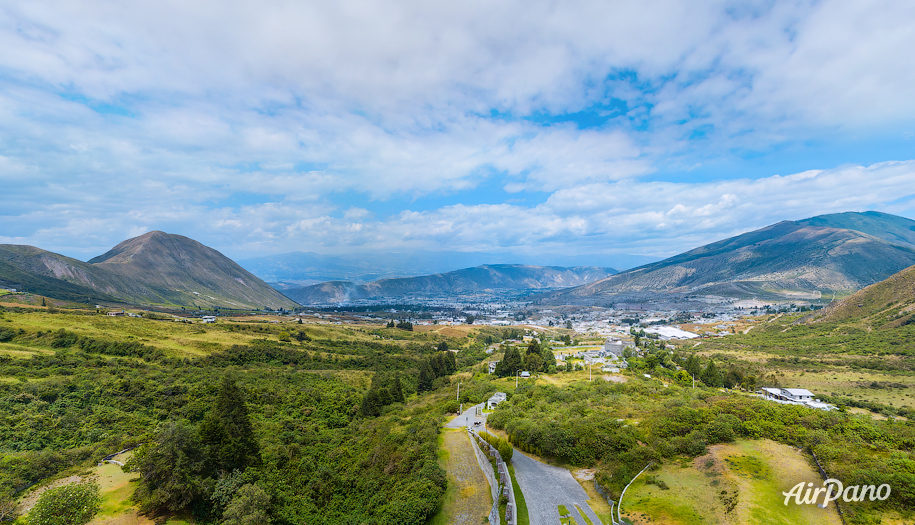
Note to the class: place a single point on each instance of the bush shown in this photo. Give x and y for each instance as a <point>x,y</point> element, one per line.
<point>503,446</point>
<point>73,504</point>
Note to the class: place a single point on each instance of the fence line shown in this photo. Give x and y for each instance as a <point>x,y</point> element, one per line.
<point>505,481</point>
<point>825,477</point>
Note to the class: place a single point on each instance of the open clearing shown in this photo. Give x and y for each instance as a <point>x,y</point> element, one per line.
<point>734,484</point>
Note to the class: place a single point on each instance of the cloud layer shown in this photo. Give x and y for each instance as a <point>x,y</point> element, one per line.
<point>263,127</point>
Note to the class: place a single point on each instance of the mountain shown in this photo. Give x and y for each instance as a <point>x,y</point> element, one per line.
<point>47,273</point>
<point>298,269</point>
<point>154,268</point>
<point>887,304</point>
<point>485,278</point>
<point>790,259</point>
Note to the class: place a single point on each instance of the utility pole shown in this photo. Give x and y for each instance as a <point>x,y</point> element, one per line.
<point>590,363</point>
<point>517,373</point>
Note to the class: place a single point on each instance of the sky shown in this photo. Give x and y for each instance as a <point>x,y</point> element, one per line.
<point>589,128</point>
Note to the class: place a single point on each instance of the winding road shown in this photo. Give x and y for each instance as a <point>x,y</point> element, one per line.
<point>546,487</point>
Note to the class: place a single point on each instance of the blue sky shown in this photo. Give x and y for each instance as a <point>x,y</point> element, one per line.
<point>524,128</point>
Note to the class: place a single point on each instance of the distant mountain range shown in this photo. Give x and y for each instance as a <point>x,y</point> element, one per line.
<point>298,269</point>
<point>829,254</point>
<point>485,278</point>
<point>155,268</point>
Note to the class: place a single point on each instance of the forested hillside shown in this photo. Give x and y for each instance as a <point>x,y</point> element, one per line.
<point>283,411</point>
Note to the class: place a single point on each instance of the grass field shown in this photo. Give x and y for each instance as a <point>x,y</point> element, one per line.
<point>739,483</point>
<point>467,498</point>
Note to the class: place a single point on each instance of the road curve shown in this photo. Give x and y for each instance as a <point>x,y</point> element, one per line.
<point>546,487</point>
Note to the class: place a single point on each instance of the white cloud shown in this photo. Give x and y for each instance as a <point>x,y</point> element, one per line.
<point>247,119</point>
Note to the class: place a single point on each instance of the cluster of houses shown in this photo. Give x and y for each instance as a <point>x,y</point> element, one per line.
<point>794,396</point>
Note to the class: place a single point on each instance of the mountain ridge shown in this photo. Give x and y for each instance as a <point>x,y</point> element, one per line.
<point>789,259</point>
<point>487,277</point>
<point>153,268</point>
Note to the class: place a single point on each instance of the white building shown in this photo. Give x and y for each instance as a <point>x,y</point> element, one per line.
<point>794,396</point>
<point>496,398</point>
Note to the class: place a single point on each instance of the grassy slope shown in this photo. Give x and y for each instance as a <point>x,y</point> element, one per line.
<point>736,483</point>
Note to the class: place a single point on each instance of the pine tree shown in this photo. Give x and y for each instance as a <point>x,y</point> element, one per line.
<point>711,376</point>
<point>451,362</point>
<point>226,430</point>
<point>371,404</point>
<point>437,362</point>
<point>424,383</point>
<point>397,390</point>
<point>510,363</point>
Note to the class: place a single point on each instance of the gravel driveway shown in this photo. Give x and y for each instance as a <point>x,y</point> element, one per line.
<point>545,487</point>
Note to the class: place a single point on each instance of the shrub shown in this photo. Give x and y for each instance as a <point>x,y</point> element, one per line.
<point>73,504</point>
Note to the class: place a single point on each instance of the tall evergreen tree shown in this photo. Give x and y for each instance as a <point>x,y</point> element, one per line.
<point>437,362</point>
<point>510,362</point>
<point>226,432</point>
<point>371,403</point>
<point>451,361</point>
<point>711,376</point>
<point>424,383</point>
<point>397,390</point>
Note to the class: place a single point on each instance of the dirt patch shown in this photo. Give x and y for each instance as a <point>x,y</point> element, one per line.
<point>584,474</point>
<point>616,379</point>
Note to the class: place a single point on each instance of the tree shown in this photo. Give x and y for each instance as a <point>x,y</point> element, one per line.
<point>469,319</point>
<point>424,383</point>
<point>397,390</point>
<point>569,325</point>
<point>651,362</point>
<point>226,431</point>
<point>249,507</point>
<point>693,366</point>
<point>371,404</point>
<point>510,362</point>
<point>437,362</point>
<point>72,504</point>
<point>7,506</point>
<point>171,469</point>
<point>711,376</point>
<point>442,347</point>
<point>451,362</point>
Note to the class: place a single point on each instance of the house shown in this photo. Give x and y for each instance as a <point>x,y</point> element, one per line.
<point>496,398</point>
<point>613,346</point>
<point>794,396</point>
<point>525,374</point>
<point>208,319</point>
<point>116,314</point>
<point>492,367</point>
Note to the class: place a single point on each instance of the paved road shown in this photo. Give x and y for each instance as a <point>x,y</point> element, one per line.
<point>545,487</point>
<point>468,418</point>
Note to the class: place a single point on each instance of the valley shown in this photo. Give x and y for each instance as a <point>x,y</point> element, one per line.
<point>336,411</point>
